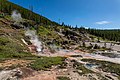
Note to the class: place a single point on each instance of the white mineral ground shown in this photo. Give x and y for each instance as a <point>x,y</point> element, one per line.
<point>84,55</point>
<point>101,44</point>
<point>99,57</point>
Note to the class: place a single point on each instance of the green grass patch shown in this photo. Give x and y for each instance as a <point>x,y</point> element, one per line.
<point>44,63</point>
<point>4,41</point>
<point>10,49</point>
<point>48,34</point>
<point>15,55</point>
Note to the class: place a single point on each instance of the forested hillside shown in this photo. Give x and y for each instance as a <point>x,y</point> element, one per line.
<point>112,35</point>
<point>8,7</point>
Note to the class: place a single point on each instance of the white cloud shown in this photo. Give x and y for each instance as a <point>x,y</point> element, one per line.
<point>103,22</point>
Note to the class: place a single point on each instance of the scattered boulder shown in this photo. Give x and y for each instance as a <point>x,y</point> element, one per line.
<point>10,74</point>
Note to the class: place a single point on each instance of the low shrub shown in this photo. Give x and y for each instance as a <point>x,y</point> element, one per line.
<point>63,78</point>
<point>44,63</point>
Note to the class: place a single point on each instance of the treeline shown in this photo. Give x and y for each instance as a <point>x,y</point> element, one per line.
<point>112,35</point>
<point>8,7</point>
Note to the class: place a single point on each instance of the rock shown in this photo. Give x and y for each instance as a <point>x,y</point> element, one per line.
<point>80,71</point>
<point>17,25</point>
<point>10,74</point>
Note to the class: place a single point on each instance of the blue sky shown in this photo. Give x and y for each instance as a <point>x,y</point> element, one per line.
<point>102,14</point>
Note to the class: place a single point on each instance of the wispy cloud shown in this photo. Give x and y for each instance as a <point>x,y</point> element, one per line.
<point>103,22</point>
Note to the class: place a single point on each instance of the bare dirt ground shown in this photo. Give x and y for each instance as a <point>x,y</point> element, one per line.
<point>8,63</point>
<point>42,76</point>
<point>54,73</point>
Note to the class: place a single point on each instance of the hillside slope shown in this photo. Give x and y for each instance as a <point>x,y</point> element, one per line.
<point>7,7</point>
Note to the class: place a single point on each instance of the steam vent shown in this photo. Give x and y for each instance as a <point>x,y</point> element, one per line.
<point>32,48</point>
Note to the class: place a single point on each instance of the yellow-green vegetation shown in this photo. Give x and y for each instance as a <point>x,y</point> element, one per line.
<point>3,41</point>
<point>8,46</point>
<point>63,78</point>
<point>49,35</point>
<point>81,67</point>
<point>44,63</point>
<point>1,16</point>
<point>106,66</point>
<point>10,49</point>
<point>46,32</point>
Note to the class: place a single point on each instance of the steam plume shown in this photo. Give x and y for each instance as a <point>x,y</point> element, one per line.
<point>16,16</point>
<point>34,39</point>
